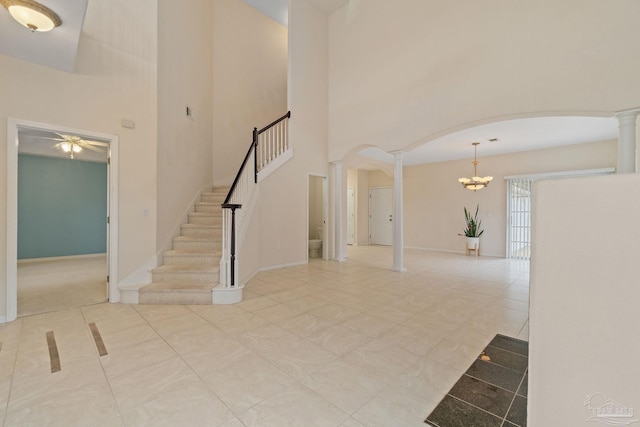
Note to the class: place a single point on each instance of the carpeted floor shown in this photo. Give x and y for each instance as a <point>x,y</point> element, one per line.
<point>493,391</point>
<point>58,284</point>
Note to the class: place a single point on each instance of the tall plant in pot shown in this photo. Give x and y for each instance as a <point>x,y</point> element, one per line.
<point>473,229</point>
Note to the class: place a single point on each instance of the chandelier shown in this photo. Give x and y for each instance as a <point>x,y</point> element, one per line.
<point>475,182</point>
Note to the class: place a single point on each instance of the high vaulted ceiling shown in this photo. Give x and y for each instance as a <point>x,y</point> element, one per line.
<point>56,48</point>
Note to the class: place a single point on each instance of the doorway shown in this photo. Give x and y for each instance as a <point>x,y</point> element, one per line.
<point>381,216</point>
<point>318,206</point>
<point>351,216</point>
<point>72,268</point>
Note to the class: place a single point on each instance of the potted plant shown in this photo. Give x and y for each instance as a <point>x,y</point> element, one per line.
<point>473,230</point>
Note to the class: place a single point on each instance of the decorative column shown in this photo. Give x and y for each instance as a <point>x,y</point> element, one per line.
<point>398,240</point>
<point>627,141</point>
<point>338,217</point>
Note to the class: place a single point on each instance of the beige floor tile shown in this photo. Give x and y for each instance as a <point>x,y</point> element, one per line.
<point>346,385</point>
<point>121,338</point>
<point>335,313</point>
<point>368,325</point>
<point>201,337</point>
<point>338,339</point>
<point>293,407</point>
<point>301,359</point>
<point>352,423</point>
<point>176,324</point>
<point>246,382</point>
<point>89,405</point>
<point>215,355</point>
<point>416,341</point>
<point>128,359</point>
<point>199,408</point>
<point>394,406</point>
<point>154,313</point>
<point>135,388</point>
<point>385,358</point>
<point>304,324</point>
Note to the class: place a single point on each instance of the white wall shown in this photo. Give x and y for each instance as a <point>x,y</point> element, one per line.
<point>185,46</point>
<point>283,195</point>
<point>249,81</point>
<point>115,78</point>
<point>404,72</point>
<point>584,298</point>
<point>434,199</point>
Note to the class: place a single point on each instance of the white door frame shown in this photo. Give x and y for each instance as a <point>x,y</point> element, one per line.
<point>325,213</point>
<point>351,216</point>
<point>12,209</point>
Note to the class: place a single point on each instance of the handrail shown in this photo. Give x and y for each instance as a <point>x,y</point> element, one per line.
<point>286,116</point>
<point>233,206</point>
<point>253,146</point>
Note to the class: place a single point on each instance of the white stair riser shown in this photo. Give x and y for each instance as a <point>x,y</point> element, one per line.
<point>206,219</point>
<point>217,198</point>
<point>176,298</point>
<point>202,246</point>
<point>215,233</point>
<point>186,277</point>
<point>213,208</point>
<point>195,259</point>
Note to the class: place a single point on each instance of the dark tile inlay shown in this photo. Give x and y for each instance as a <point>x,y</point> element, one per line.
<point>486,393</point>
<point>506,358</point>
<point>53,352</point>
<point>483,395</point>
<point>524,387</point>
<point>494,374</point>
<point>518,412</point>
<point>511,344</point>
<point>452,412</point>
<point>102,350</point>
<point>0,345</point>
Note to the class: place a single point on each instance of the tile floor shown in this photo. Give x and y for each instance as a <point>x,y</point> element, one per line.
<point>323,344</point>
<point>492,392</point>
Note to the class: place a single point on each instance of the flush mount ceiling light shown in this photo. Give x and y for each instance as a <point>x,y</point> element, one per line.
<point>32,15</point>
<point>475,182</point>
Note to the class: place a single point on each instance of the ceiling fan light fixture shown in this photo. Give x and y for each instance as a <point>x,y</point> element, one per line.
<point>66,147</point>
<point>76,148</point>
<point>32,15</point>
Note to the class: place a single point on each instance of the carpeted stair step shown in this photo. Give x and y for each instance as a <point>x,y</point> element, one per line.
<point>201,230</point>
<point>205,218</point>
<point>208,207</point>
<point>186,274</point>
<point>195,243</point>
<point>213,197</point>
<point>191,257</point>
<point>176,293</point>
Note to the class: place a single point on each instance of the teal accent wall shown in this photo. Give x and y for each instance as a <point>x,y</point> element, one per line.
<point>62,207</point>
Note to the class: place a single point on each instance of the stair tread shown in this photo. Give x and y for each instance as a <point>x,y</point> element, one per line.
<point>195,239</point>
<point>187,268</point>
<point>208,214</point>
<point>191,252</point>
<point>181,287</point>
<point>212,226</point>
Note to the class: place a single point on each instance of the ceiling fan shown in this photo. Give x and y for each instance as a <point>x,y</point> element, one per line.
<point>73,144</point>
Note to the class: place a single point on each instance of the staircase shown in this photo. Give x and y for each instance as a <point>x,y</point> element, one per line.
<point>191,269</point>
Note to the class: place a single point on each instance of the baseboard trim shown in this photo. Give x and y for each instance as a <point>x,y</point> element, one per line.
<point>60,258</point>
<point>276,267</point>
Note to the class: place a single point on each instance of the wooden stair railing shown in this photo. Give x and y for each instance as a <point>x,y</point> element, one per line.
<point>267,145</point>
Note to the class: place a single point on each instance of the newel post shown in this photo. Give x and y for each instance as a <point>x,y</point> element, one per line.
<point>255,155</point>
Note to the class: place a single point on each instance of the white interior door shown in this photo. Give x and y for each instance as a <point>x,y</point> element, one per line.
<point>381,216</point>
<point>351,216</point>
